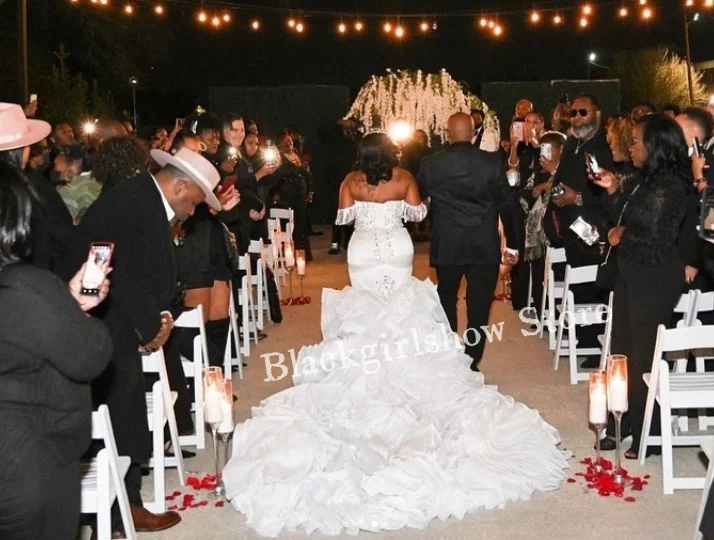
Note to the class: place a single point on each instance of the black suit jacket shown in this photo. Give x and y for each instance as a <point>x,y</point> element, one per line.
<point>132,215</point>
<point>469,191</point>
<point>52,226</point>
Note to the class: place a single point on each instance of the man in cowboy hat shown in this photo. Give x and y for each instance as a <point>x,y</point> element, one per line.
<point>136,216</point>
<point>52,228</point>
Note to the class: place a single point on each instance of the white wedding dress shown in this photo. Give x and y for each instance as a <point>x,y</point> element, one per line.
<point>386,426</point>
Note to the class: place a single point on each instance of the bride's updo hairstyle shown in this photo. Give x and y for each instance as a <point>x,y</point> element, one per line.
<point>376,158</point>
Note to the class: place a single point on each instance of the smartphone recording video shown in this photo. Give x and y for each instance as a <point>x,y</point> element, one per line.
<point>100,255</point>
<point>546,151</point>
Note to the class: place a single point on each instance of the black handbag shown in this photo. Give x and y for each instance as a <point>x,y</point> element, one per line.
<point>607,271</point>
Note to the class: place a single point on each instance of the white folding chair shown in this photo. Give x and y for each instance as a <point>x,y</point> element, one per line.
<point>282,235</point>
<point>575,315</point>
<point>552,291</point>
<point>708,449</point>
<point>234,339</point>
<point>704,303</point>
<point>192,369</point>
<point>160,409</point>
<point>103,480</point>
<point>676,391</point>
<point>606,338</point>
<point>261,282</point>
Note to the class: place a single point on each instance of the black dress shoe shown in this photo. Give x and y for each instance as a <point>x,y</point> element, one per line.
<point>474,367</point>
<point>591,362</point>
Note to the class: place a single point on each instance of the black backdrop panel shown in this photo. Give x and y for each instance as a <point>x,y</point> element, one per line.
<point>502,96</point>
<point>312,110</point>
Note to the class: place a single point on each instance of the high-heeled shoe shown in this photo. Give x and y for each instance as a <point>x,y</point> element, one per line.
<point>633,453</point>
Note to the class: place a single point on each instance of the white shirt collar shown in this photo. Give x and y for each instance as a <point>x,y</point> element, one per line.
<point>170,214</point>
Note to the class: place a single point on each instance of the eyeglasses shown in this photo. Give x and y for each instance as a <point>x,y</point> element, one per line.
<point>581,112</point>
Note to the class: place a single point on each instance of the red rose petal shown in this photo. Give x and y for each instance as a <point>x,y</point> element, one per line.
<point>220,504</point>
<point>174,507</point>
<point>630,499</point>
<point>176,494</point>
<point>571,480</point>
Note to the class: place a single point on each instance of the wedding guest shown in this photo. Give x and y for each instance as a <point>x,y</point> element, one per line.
<point>641,109</point>
<point>478,118</point>
<point>62,136</point>
<point>50,350</point>
<point>649,277</point>
<point>51,222</point>
<point>135,216</point>
<point>117,160</point>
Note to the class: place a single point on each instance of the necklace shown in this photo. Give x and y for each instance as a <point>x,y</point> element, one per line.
<point>582,143</point>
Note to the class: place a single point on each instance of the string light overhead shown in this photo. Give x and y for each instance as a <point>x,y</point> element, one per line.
<point>217,13</point>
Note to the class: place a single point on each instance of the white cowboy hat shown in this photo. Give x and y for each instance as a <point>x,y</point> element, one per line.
<point>197,167</point>
<point>16,131</point>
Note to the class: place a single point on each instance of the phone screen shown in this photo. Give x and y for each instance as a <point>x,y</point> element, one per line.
<point>517,130</point>
<point>227,183</point>
<point>33,98</point>
<point>706,217</point>
<point>99,253</point>
<point>546,150</point>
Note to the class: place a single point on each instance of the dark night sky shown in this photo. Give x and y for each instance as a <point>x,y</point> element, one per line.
<point>199,57</point>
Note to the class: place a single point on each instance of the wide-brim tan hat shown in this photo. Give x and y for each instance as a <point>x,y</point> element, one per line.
<point>16,131</point>
<point>197,167</point>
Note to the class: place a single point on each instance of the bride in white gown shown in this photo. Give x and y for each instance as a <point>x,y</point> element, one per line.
<point>386,426</point>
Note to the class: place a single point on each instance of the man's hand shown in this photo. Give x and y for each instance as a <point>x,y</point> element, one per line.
<point>614,235</point>
<point>690,274</point>
<point>89,302</point>
<point>167,325</point>
<point>548,165</point>
<point>266,170</point>
<point>568,197</point>
<point>31,109</point>
<point>510,258</point>
<point>228,164</point>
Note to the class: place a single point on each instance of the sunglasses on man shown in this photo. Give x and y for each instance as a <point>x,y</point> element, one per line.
<point>581,112</point>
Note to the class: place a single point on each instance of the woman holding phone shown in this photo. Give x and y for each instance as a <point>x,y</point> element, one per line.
<point>50,350</point>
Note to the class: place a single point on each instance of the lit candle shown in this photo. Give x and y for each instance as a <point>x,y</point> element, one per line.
<point>289,257</point>
<point>598,406</point>
<point>212,405</point>
<point>301,266</point>
<point>226,425</point>
<point>617,394</point>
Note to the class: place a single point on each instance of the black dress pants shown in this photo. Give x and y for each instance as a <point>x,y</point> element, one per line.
<point>645,297</point>
<point>39,498</point>
<point>520,276</point>
<point>480,285</point>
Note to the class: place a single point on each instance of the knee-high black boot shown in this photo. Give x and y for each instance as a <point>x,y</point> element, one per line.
<point>216,336</point>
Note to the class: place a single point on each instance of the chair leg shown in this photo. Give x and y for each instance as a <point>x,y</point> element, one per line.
<point>705,496</point>
<point>104,503</point>
<point>559,340</point>
<point>572,354</point>
<point>667,457</point>
<point>647,420</point>
<point>159,503</point>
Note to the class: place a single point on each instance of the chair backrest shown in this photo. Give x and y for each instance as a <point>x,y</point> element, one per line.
<point>256,246</point>
<point>102,429</point>
<point>193,318</point>
<point>579,275</point>
<point>156,363</point>
<point>281,213</point>
<point>684,339</point>
<point>556,255</point>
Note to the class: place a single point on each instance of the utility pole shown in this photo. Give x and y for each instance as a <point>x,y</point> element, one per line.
<point>690,85</point>
<point>22,77</point>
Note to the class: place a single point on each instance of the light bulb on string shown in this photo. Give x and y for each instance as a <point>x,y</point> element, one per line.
<point>202,17</point>
<point>497,30</point>
<point>387,27</point>
<point>226,17</point>
<point>94,1</point>
<point>359,26</point>
<point>623,12</point>
<point>647,13</point>
<point>299,28</point>
<point>129,9</point>
<point>159,9</point>
<point>557,20</point>
<point>342,28</point>
<point>104,2</point>
<point>74,1</point>
<point>643,2</point>
<point>399,32</point>
<point>215,21</point>
<point>483,22</point>
<point>689,3</point>
<point>291,23</point>
<point>535,17</point>
<point>255,25</point>
<point>434,25</point>
<point>587,9</point>
<point>584,22</point>
<point>491,25</point>
<point>424,26</point>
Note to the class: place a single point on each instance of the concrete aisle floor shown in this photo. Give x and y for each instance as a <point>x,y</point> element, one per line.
<point>521,367</point>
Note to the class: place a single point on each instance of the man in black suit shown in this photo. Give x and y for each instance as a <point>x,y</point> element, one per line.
<point>478,118</point>
<point>469,191</point>
<point>136,216</point>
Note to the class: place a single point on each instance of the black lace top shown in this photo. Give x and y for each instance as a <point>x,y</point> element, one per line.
<point>652,220</point>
